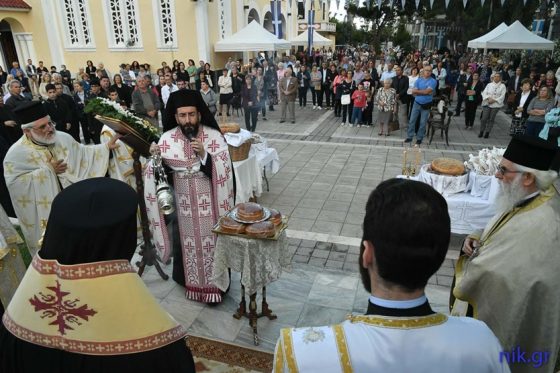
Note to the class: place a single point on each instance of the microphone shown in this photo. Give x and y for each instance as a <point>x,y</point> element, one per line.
<point>188,132</point>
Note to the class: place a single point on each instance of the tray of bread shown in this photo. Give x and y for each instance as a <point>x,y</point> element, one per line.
<point>447,176</point>
<point>251,220</point>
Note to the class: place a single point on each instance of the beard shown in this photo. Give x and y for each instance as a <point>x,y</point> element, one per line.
<point>510,194</point>
<point>189,131</point>
<point>43,140</point>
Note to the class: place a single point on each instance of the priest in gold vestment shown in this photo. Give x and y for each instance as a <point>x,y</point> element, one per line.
<point>42,163</point>
<point>508,274</point>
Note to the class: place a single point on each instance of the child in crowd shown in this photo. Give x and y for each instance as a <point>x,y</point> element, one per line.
<point>360,102</point>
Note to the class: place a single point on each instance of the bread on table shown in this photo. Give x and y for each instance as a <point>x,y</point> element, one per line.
<point>228,225</point>
<point>275,217</point>
<point>229,127</point>
<point>250,211</point>
<point>263,229</point>
<point>448,166</point>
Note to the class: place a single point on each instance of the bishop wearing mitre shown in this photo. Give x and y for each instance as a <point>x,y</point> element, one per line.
<point>42,163</point>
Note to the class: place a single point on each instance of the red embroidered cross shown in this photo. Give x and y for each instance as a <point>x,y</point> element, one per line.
<point>224,156</point>
<point>64,311</point>
<point>151,198</point>
<point>207,246</point>
<point>204,136</point>
<point>164,147</point>
<point>184,205</point>
<point>175,136</point>
<point>225,205</point>
<point>221,180</point>
<point>204,204</point>
<point>213,146</point>
<point>189,245</point>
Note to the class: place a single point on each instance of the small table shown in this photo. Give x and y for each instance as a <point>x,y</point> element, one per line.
<point>268,160</point>
<point>248,179</point>
<point>260,263</point>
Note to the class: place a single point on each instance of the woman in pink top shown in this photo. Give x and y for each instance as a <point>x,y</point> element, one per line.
<point>336,82</point>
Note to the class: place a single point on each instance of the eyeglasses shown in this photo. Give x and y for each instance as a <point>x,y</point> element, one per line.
<point>503,170</point>
<point>43,127</point>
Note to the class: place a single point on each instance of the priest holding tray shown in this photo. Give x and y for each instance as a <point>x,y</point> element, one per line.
<point>196,159</point>
<point>42,163</point>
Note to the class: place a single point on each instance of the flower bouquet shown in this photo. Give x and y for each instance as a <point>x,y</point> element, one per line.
<point>137,133</point>
<point>482,167</point>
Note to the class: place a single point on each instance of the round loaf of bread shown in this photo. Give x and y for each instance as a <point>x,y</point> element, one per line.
<point>263,229</point>
<point>448,166</point>
<point>275,217</point>
<point>229,127</point>
<point>250,211</point>
<point>228,225</point>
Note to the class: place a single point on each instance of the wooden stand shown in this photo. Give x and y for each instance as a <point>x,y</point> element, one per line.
<point>252,315</point>
<point>148,250</point>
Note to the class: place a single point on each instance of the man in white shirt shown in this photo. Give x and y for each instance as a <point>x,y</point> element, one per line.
<point>168,88</point>
<point>492,100</point>
<point>400,332</point>
<point>389,73</point>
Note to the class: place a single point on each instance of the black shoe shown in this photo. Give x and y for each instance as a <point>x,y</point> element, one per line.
<point>418,142</point>
<point>480,134</point>
<point>486,135</point>
<point>408,140</point>
<point>293,121</point>
<point>264,118</point>
<point>282,121</point>
<point>271,109</point>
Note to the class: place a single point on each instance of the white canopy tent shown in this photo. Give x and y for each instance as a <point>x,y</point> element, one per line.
<point>480,42</point>
<point>518,37</point>
<point>318,39</point>
<point>252,37</point>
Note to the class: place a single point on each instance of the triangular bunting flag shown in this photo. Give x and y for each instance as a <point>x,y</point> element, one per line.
<point>431,4</point>
<point>404,2</point>
<point>465,4</point>
<point>503,1</point>
<point>417,3</point>
<point>379,4</point>
<point>481,2</point>
<point>446,3</point>
<point>524,2</point>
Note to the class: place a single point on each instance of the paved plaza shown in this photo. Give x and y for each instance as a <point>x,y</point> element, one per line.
<point>326,174</point>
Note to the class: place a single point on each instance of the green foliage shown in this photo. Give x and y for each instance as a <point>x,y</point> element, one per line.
<point>100,106</point>
<point>403,39</point>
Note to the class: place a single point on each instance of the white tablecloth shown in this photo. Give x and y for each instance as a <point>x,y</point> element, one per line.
<point>268,159</point>
<point>467,212</point>
<point>248,179</point>
<point>259,261</point>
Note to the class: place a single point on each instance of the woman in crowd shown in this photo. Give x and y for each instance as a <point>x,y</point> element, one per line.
<point>537,109</point>
<point>337,92</point>
<point>412,78</point>
<point>90,69</point>
<point>209,96</point>
<point>250,102</point>
<point>182,73</point>
<point>259,83</point>
<point>191,69</point>
<point>346,87</point>
<point>175,66</point>
<point>46,79</point>
<point>135,67</point>
<point>386,101</point>
<point>226,91</point>
<point>522,100</point>
<point>209,75</point>
<point>124,91</point>
<point>316,79</point>
<point>472,100</point>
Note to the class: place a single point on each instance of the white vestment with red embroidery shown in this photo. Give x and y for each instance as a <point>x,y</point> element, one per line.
<point>199,201</point>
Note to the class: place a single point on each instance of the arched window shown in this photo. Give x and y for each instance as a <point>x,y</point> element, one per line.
<point>164,20</point>
<point>77,24</point>
<point>123,24</point>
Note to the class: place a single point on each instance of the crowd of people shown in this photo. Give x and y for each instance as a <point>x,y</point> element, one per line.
<point>45,164</point>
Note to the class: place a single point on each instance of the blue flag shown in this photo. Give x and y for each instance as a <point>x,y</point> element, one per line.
<point>276,10</point>
<point>310,29</point>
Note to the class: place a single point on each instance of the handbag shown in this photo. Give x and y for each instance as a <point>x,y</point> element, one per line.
<point>393,122</point>
<point>345,100</point>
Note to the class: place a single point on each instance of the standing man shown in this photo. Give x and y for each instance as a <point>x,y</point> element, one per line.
<point>514,86</point>
<point>196,156</point>
<point>508,273</point>
<point>145,102</point>
<point>58,110</point>
<point>399,332</point>
<point>493,98</point>
<point>168,88</point>
<point>42,163</point>
<point>16,97</point>
<point>389,73</point>
<point>324,70</point>
<point>288,86</point>
<point>328,79</point>
<point>400,84</point>
<point>31,71</point>
<point>423,92</point>
<point>69,100</point>
<point>303,78</point>
<point>465,78</point>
